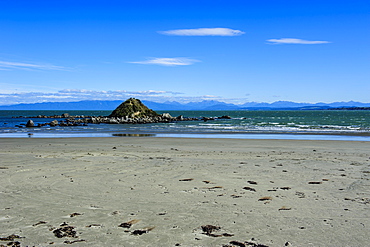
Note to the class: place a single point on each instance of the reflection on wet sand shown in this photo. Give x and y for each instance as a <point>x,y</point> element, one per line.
<point>135,135</point>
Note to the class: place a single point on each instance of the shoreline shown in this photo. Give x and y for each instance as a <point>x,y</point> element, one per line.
<point>242,136</point>
<point>166,191</point>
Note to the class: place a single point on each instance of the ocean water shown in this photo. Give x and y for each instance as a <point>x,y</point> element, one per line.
<point>312,125</point>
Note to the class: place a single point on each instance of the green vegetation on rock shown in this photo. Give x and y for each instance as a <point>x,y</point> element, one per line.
<point>133,108</point>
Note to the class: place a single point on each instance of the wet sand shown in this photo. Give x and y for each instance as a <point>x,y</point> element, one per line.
<point>145,191</point>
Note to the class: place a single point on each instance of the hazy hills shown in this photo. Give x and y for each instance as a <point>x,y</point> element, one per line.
<point>206,105</point>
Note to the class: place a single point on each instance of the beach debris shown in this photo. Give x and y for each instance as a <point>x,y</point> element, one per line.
<point>206,181</point>
<point>285,188</point>
<point>186,179</point>
<point>142,231</point>
<point>284,208</point>
<point>235,243</point>
<point>214,187</point>
<point>12,244</point>
<point>252,244</point>
<point>265,198</point>
<point>65,231</point>
<point>39,223</point>
<point>10,238</point>
<point>208,229</point>
<point>243,244</point>
<point>94,226</point>
<point>300,194</point>
<point>74,241</point>
<point>355,164</point>
<point>128,224</point>
<point>4,167</point>
<point>315,182</point>
<point>249,188</point>
<point>252,182</point>
<point>74,214</point>
<point>235,196</point>
<point>359,200</point>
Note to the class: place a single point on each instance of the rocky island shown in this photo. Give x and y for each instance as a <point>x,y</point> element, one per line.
<point>131,111</point>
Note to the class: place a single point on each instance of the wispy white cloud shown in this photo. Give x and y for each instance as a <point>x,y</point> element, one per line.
<point>114,93</point>
<point>53,96</point>
<point>6,65</point>
<point>295,41</point>
<point>203,32</point>
<point>74,95</point>
<point>176,61</point>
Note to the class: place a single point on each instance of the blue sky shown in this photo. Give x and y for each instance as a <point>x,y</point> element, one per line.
<point>184,50</point>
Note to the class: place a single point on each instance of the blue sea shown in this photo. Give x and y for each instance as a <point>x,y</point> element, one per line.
<point>302,125</point>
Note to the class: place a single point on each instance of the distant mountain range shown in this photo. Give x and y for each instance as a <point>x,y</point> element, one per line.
<point>206,105</point>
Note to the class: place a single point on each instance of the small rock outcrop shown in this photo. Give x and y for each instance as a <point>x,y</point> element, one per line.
<point>133,108</point>
<point>53,123</point>
<point>30,123</point>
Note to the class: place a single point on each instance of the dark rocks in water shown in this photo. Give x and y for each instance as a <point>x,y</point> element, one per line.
<point>166,116</point>
<point>54,123</point>
<point>30,123</point>
<point>64,115</point>
<point>133,108</point>
<point>224,117</point>
<point>205,119</point>
<point>132,111</point>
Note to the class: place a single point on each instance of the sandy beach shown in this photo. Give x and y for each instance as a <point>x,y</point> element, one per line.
<point>144,191</point>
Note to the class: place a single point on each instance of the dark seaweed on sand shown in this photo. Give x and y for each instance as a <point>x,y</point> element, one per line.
<point>243,244</point>
<point>10,238</point>
<point>249,188</point>
<point>65,231</point>
<point>142,231</point>
<point>208,229</point>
